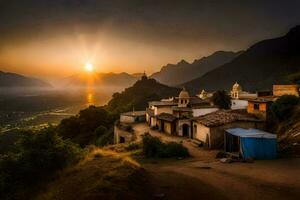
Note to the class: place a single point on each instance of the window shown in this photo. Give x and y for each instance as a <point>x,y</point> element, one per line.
<point>256,106</point>
<point>181,101</point>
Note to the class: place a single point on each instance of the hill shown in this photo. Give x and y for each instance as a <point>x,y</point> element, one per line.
<point>265,63</point>
<point>102,79</point>
<point>175,74</point>
<point>139,95</point>
<point>12,80</point>
<point>103,175</point>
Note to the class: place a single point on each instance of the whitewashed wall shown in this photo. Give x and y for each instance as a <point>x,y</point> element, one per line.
<point>239,104</point>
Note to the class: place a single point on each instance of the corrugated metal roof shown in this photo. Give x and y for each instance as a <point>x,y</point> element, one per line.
<point>254,133</point>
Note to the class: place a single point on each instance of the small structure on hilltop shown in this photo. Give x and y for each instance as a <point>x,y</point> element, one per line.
<point>250,143</point>
<point>174,115</point>
<point>209,129</point>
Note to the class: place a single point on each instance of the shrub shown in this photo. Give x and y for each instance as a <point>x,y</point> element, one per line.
<point>39,155</point>
<point>283,107</point>
<point>153,147</point>
<point>222,99</point>
<point>106,138</point>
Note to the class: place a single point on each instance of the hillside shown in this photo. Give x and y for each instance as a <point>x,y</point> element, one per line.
<point>102,79</point>
<point>175,74</point>
<point>139,95</point>
<point>265,63</point>
<point>103,175</point>
<point>12,80</point>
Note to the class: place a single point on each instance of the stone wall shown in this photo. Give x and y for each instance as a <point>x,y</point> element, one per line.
<point>280,90</point>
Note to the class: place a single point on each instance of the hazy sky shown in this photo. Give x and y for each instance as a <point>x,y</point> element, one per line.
<point>54,38</point>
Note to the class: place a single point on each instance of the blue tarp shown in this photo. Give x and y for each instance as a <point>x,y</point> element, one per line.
<point>255,143</point>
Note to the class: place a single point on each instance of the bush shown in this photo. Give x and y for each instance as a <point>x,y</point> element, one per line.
<point>222,99</point>
<point>88,126</point>
<point>283,107</point>
<point>106,138</point>
<point>39,155</point>
<point>154,147</point>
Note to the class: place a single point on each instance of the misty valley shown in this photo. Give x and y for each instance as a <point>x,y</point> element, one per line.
<point>32,109</point>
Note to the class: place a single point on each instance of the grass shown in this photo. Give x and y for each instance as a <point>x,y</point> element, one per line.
<point>103,174</point>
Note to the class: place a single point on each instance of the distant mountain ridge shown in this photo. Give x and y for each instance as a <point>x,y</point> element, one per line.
<point>265,63</point>
<point>9,80</point>
<point>102,79</point>
<point>175,74</point>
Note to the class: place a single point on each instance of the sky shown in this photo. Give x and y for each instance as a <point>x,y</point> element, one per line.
<point>55,38</point>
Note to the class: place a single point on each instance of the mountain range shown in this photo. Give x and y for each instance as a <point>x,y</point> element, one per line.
<point>122,80</point>
<point>10,80</point>
<point>175,74</point>
<point>268,62</point>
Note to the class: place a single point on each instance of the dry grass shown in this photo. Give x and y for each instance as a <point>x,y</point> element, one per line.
<point>103,174</point>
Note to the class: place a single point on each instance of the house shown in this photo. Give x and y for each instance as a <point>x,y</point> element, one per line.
<point>123,131</point>
<point>260,106</point>
<point>174,115</point>
<point>250,143</point>
<point>209,128</point>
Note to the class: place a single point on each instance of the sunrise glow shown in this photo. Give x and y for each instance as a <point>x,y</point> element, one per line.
<point>89,67</point>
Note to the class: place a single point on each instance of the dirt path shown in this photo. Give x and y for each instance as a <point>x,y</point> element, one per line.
<point>204,177</point>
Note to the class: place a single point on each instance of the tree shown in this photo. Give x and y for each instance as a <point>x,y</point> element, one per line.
<point>222,99</point>
<point>283,107</point>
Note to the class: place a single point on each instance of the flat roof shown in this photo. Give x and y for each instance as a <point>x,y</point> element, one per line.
<point>253,133</point>
<point>162,103</point>
<point>134,113</point>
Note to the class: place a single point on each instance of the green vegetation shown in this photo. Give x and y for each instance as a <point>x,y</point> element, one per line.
<point>34,158</point>
<point>283,113</point>
<point>88,126</point>
<point>221,99</point>
<point>139,95</point>
<point>154,147</point>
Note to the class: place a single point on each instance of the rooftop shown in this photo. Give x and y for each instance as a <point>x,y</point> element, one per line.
<point>262,99</point>
<point>134,113</point>
<point>222,117</point>
<point>166,117</point>
<point>254,133</point>
<point>162,103</point>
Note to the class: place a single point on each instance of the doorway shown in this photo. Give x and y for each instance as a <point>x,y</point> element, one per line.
<point>185,130</point>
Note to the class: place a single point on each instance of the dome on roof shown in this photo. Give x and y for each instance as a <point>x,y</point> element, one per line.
<point>236,87</point>
<point>184,94</point>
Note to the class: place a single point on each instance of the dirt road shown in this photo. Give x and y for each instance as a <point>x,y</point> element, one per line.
<point>204,177</point>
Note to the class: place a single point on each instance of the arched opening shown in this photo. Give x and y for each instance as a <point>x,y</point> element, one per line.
<point>185,130</point>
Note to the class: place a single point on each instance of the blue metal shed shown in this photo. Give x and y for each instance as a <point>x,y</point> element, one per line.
<point>251,143</point>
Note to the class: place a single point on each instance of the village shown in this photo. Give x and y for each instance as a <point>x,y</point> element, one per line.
<point>239,132</point>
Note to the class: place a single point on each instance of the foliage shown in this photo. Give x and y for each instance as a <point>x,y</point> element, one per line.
<point>222,99</point>
<point>37,156</point>
<point>88,126</point>
<point>283,107</point>
<point>154,147</point>
<point>106,138</point>
<point>283,113</point>
<point>139,95</point>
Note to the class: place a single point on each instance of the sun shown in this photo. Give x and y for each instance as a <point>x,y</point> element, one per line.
<point>89,67</point>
